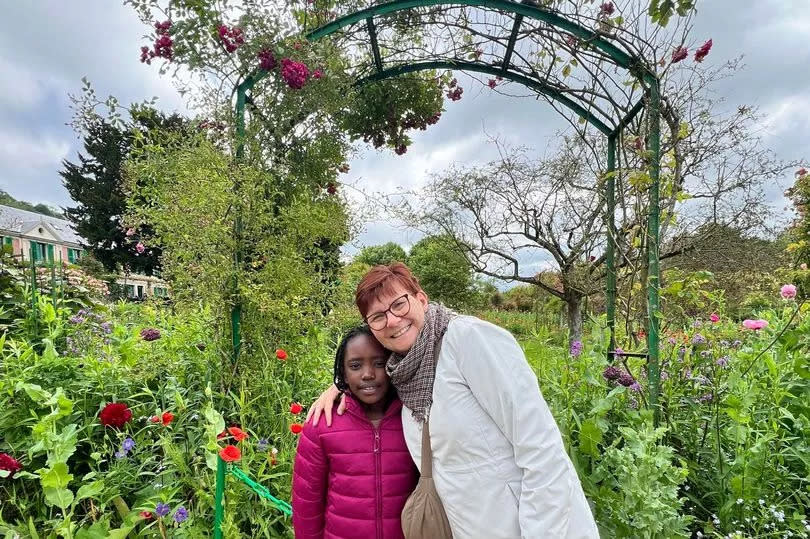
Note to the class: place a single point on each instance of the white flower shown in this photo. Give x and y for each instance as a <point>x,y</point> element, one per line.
<point>739,501</point>
<point>761,501</point>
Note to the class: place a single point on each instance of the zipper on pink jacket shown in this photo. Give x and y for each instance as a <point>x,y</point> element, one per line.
<point>378,478</point>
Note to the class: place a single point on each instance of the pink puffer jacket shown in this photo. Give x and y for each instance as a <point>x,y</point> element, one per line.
<point>351,479</point>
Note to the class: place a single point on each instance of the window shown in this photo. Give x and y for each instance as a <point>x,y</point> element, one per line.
<point>160,292</point>
<point>130,290</point>
<point>74,255</point>
<point>6,244</point>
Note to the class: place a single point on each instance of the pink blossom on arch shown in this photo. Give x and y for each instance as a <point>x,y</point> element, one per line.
<point>703,51</point>
<point>679,54</point>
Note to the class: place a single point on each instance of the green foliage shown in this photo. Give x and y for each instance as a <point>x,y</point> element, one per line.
<point>660,11</point>
<point>443,271</point>
<point>96,185</point>
<point>8,200</point>
<point>376,255</point>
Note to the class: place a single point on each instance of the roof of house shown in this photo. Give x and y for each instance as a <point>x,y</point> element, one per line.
<point>21,221</point>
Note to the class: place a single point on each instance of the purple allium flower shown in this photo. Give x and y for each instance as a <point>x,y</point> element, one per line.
<point>633,403</point>
<point>681,353</point>
<point>106,327</point>
<point>697,323</point>
<point>263,444</point>
<point>121,454</point>
<point>576,348</point>
<point>664,375</point>
<point>706,353</point>
<point>611,373</point>
<point>162,509</point>
<point>736,344</point>
<point>708,397</point>
<point>635,386</point>
<point>724,343</point>
<point>180,515</point>
<point>128,444</point>
<point>672,340</point>
<point>76,319</point>
<point>150,334</point>
<point>723,361</point>
<point>626,379</point>
<point>702,380</point>
<point>618,352</point>
<point>698,339</point>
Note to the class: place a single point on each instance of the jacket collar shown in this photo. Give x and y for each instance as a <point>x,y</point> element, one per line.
<point>356,408</point>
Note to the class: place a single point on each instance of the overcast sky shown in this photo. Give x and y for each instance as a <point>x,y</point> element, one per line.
<point>47,46</point>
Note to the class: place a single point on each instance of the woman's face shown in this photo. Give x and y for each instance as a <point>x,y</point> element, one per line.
<point>364,369</point>
<point>400,332</point>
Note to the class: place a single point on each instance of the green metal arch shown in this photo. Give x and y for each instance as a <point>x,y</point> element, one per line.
<point>620,57</point>
<point>538,86</point>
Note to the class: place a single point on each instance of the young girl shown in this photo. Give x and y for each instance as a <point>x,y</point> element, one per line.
<point>352,479</point>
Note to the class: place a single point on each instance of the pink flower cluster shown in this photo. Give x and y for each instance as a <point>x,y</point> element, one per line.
<point>232,38</point>
<point>295,74</point>
<point>455,91</point>
<point>267,60</point>
<point>788,291</point>
<point>681,53</point>
<point>163,44</point>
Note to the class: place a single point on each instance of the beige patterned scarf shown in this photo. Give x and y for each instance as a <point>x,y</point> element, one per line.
<point>413,373</point>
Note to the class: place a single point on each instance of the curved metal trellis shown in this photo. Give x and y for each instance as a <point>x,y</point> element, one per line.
<point>555,93</point>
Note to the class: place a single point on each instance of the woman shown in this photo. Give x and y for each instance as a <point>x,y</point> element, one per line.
<point>499,464</point>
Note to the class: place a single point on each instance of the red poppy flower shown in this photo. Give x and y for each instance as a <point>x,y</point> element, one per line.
<point>296,428</point>
<point>281,354</point>
<point>237,433</point>
<point>115,414</point>
<point>146,514</point>
<point>167,418</point>
<point>230,453</point>
<point>154,419</point>
<point>296,408</point>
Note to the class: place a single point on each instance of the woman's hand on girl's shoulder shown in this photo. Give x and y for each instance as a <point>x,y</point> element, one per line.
<point>324,405</point>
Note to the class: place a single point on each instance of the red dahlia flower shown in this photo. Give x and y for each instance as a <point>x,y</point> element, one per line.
<point>9,464</point>
<point>230,453</point>
<point>115,414</point>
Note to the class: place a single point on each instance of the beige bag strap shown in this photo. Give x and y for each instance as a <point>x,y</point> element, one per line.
<point>427,452</point>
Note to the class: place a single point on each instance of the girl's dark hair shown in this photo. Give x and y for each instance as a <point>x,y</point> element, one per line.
<point>340,355</point>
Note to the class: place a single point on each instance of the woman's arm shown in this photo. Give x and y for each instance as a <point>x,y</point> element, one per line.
<point>310,483</point>
<point>502,382</point>
<point>324,405</point>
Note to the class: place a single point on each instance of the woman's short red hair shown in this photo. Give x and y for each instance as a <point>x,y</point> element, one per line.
<point>382,281</point>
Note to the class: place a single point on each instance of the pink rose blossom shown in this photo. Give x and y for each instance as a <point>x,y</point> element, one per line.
<point>140,247</point>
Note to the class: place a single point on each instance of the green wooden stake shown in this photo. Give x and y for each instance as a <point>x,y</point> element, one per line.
<point>219,508</point>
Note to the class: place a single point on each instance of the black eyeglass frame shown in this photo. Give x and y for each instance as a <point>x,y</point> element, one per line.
<point>388,310</point>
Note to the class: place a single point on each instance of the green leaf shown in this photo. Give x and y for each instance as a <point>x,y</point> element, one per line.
<point>55,477</point>
<point>90,490</point>
<point>590,436</point>
<point>60,497</point>
<point>34,392</point>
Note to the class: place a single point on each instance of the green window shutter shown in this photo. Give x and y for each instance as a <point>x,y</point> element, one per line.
<point>50,253</point>
<point>71,255</point>
<point>34,250</point>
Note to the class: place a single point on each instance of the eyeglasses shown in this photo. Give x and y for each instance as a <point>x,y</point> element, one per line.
<point>398,307</point>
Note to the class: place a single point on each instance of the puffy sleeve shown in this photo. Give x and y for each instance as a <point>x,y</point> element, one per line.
<point>310,477</point>
<point>495,368</point>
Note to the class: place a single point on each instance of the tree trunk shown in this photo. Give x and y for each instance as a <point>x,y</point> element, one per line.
<point>573,306</point>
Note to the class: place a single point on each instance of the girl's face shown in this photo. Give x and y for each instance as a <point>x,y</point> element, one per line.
<point>364,368</point>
